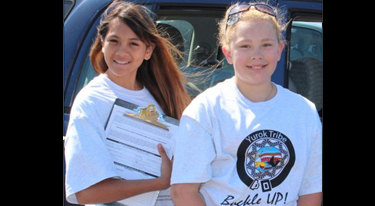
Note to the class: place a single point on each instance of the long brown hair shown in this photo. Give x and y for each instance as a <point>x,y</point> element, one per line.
<point>160,74</point>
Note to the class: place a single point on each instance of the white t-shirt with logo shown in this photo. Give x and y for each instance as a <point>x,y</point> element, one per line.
<point>246,153</point>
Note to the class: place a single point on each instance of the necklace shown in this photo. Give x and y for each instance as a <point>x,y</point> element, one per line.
<point>269,94</point>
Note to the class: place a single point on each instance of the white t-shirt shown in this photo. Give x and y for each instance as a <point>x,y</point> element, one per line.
<point>246,153</point>
<point>88,161</point>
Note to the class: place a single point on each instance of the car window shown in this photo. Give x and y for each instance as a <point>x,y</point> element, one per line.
<point>203,62</point>
<point>306,41</point>
<point>181,34</point>
<point>68,5</point>
<point>306,61</point>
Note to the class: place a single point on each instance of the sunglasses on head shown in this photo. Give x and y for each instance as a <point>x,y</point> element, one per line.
<point>235,12</point>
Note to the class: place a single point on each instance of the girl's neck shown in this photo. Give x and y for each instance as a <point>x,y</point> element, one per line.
<point>125,81</point>
<point>259,92</point>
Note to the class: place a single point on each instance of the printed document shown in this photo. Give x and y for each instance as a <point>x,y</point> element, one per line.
<point>133,145</point>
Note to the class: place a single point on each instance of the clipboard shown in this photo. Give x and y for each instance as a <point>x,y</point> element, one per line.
<point>132,135</point>
<point>150,115</point>
<point>141,113</point>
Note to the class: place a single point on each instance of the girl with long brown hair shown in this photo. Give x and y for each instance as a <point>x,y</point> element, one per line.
<point>135,63</point>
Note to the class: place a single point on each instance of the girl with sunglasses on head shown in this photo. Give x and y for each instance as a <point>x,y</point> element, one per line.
<point>135,64</point>
<point>247,140</point>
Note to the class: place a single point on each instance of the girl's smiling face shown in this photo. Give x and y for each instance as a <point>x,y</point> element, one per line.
<point>123,51</point>
<point>254,51</point>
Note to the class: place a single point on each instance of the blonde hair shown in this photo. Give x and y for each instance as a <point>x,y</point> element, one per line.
<point>160,74</point>
<point>226,32</point>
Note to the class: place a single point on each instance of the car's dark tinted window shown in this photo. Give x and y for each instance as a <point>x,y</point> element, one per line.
<point>306,40</point>
<point>306,61</point>
<point>68,5</point>
<point>198,26</point>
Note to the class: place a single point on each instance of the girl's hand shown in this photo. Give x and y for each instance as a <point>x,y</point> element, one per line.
<point>166,168</point>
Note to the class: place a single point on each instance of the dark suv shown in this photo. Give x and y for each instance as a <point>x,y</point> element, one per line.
<point>194,24</point>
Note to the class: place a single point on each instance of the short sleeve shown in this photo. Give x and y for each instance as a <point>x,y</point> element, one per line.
<point>312,181</point>
<point>87,158</point>
<point>193,153</point>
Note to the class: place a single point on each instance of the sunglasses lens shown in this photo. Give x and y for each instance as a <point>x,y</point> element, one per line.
<point>235,12</point>
<point>265,9</point>
<point>239,8</point>
<point>233,19</point>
